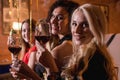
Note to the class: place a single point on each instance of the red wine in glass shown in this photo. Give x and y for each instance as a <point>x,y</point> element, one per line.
<point>14,45</point>
<point>14,50</point>
<point>44,39</point>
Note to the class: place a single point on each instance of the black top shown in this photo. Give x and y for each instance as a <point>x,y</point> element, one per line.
<point>96,69</point>
<point>110,40</point>
<point>67,37</point>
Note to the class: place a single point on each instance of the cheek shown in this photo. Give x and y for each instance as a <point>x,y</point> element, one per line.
<point>89,33</point>
<point>64,23</point>
<point>64,28</point>
<point>28,36</point>
<point>23,36</point>
<point>73,31</point>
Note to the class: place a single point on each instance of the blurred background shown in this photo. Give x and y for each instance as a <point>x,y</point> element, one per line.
<point>12,12</point>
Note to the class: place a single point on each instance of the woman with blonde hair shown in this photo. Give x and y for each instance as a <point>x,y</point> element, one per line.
<point>90,60</point>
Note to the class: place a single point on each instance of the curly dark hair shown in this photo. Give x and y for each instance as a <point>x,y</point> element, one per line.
<point>68,5</point>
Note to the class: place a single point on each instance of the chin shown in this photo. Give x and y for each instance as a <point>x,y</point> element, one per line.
<point>54,33</point>
<point>27,41</point>
<point>77,42</point>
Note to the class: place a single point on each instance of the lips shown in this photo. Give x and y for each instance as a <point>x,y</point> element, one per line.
<point>55,28</point>
<point>78,36</point>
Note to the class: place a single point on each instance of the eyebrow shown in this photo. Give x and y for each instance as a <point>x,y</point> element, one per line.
<point>59,14</point>
<point>73,21</point>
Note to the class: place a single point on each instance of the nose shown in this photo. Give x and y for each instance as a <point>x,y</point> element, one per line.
<point>78,29</point>
<point>54,20</point>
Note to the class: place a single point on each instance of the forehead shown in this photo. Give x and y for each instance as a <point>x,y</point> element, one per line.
<point>59,10</point>
<point>25,26</point>
<point>78,16</point>
<point>40,27</point>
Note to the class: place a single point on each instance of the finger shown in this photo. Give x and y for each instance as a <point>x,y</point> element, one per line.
<point>14,74</point>
<point>12,70</point>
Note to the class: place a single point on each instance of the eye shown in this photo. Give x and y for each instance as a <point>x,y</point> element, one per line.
<point>74,24</point>
<point>60,17</point>
<point>85,24</point>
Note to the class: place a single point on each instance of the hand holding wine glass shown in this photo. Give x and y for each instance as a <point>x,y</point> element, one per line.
<point>42,35</point>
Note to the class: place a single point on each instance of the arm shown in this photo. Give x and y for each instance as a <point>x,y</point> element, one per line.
<point>46,59</point>
<point>32,59</point>
<point>22,52</point>
<point>23,71</point>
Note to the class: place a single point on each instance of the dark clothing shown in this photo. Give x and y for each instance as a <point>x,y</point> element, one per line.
<point>67,37</point>
<point>96,68</point>
<point>39,69</point>
<point>95,71</point>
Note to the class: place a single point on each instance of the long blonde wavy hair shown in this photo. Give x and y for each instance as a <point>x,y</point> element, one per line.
<point>82,54</point>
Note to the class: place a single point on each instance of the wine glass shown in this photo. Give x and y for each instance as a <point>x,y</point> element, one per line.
<point>42,32</point>
<point>14,45</point>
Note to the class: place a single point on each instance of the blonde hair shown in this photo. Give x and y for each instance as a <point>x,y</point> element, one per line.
<point>82,54</point>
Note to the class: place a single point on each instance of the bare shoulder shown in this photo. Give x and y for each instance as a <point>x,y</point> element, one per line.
<point>62,53</point>
<point>116,38</point>
<point>114,49</point>
<point>63,49</point>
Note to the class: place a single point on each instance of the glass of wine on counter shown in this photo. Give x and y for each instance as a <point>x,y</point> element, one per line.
<point>42,32</point>
<point>14,44</point>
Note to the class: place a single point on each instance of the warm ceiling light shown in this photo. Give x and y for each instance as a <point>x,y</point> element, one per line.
<point>16,25</point>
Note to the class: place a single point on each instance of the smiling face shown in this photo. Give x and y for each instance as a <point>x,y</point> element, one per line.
<point>80,29</point>
<point>26,32</point>
<point>59,21</point>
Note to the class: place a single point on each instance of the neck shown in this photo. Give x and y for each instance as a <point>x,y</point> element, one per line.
<point>60,36</point>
